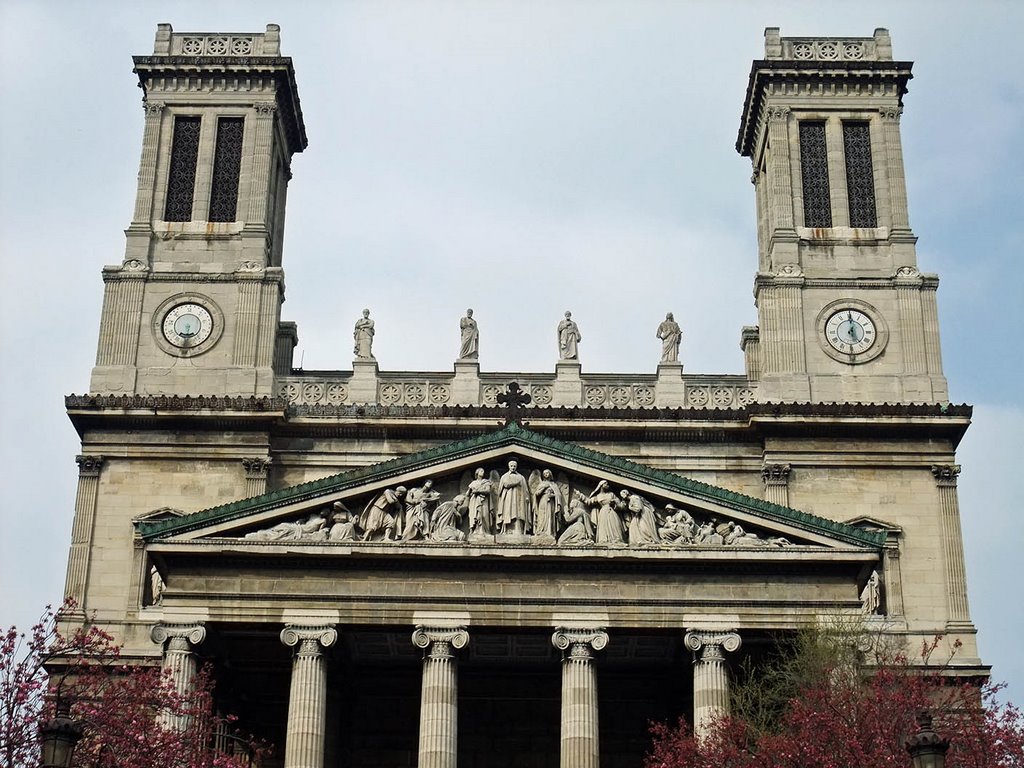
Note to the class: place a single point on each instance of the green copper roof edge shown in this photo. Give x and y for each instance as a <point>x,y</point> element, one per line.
<point>508,435</point>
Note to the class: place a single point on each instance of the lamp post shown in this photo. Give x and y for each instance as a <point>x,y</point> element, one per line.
<point>59,737</point>
<point>927,749</point>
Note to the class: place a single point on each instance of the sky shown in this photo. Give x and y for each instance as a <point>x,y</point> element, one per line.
<point>522,159</point>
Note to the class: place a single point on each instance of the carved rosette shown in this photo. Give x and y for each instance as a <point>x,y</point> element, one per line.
<point>711,644</point>
<point>580,643</point>
<point>439,642</point>
<point>89,466</point>
<point>946,474</point>
<point>309,639</point>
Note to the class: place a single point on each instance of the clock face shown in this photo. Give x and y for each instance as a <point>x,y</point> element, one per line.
<point>850,331</point>
<point>187,325</point>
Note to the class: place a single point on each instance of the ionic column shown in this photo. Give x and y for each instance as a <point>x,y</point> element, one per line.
<point>710,675</point>
<point>307,697</point>
<point>147,166</point>
<point>439,700</point>
<point>776,483</point>
<point>952,542</point>
<point>581,746</point>
<point>81,532</point>
<point>890,117</point>
<point>256,475</point>
<point>179,661</point>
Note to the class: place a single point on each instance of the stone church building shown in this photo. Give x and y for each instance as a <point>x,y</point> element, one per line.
<point>402,568</point>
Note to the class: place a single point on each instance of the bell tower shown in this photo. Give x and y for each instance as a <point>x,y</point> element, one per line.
<point>195,306</point>
<point>844,313</point>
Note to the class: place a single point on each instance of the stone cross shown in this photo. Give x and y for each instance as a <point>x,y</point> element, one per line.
<point>514,399</point>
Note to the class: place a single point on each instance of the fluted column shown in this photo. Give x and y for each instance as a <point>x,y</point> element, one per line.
<point>307,697</point>
<point>780,172</point>
<point>81,532</point>
<point>890,117</point>
<point>907,282</point>
<point>710,675</point>
<point>439,700</point>
<point>147,165</point>
<point>256,469</point>
<point>179,661</point>
<point>122,304</point>
<point>776,483</point>
<point>581,745</point>
<point>952,542</point>
<point>258,184</point>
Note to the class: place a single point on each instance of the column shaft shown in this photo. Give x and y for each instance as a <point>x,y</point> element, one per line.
<point>439,699</point>
<point>952,542</point>
<point>180,663</point>
<point>710,676</point>
<point>81,531</point>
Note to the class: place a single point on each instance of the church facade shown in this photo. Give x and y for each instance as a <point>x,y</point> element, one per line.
<point>404,568</point>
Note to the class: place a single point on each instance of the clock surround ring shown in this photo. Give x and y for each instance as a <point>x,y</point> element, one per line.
<point>160,315</point>
<point>881,329</point>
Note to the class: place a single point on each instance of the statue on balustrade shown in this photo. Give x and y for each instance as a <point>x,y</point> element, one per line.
<point>470,337</point>
<point>382,515</point>
<point>363,336</point>
<point>606,508</point>
<point>568,338</point>
<point>670,335</point>
<point>548,503</point>
<point>514,514</point>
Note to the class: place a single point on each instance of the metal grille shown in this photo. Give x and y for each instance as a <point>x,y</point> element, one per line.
<point>227,161</point>
<point>814,173</point>
<point>181,180</point>
<point>860,177</point>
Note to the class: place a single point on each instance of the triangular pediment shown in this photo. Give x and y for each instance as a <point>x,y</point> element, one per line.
<point>559,495</point>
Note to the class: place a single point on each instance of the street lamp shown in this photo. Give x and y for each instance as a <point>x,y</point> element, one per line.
<point>927,749</point>
<point>59,737</point>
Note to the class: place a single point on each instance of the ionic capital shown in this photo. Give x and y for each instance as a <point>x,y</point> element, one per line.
<point>775,474</point>
<point>256,467</point>
<point>438,642</point>
<point>891,113</point>
<point>178,637</point>
<point>89,466</point>
<point>579,642</point>
<point>309,639</point>
<point>711,643</point>
<point>946,474</point>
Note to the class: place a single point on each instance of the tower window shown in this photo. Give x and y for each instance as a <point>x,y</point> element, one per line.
<point>181,180</point>
<point>814,173</point>
<point>860,178</point>
<point>227,162</point>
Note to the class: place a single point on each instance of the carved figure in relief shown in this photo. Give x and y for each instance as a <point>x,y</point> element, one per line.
<point>568,338</point>
<point>679,526</point>
<point>344,525</point>
<point>578,530</point>
<point>481,504</point>
<point>363,336</point>
<point>513,502</point>
<point>871,595</point>
<point>313,527</point>
<point>707,535</point>
<point>156,586</point>
<point>470,337</point>
<point>418,503</point>
<point>548,504</point>
<point>447,519</point>
<point>607,523</point>
<point>642,526</point>
<point>670,336</point>
<point>380,516</point>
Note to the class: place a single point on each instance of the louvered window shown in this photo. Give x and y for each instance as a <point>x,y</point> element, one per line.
<point>227,162</point>
<point>860,177</point>
<point>814,173</point>
<point>181,180</point>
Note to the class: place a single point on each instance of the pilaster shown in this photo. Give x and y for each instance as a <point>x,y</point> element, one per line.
<point>259,181</point>
<point>776,483</point>
<point>907,282</point>
<point>307,698</point>
<point>952,543</point>
<point>439,700</point>
<point>256,473</point>
<point>81,532</point>
<point>143,215</point>
<point>895,175</point>
<point>779,171</point>
<point>179,661</point>
<point>580,739</point>
<point>710,675</point>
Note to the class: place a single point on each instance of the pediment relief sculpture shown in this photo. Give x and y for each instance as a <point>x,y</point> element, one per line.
<point>520,506</point>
